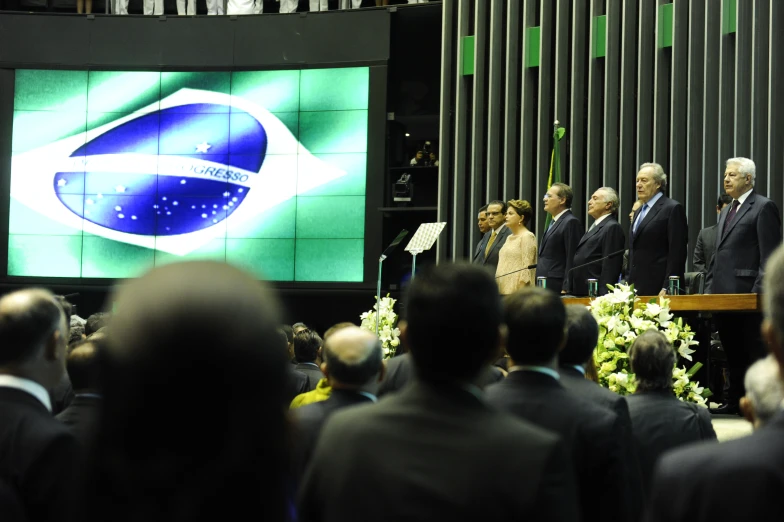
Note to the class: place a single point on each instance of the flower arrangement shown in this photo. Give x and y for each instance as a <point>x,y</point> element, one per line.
<point>619,325</point>
<point>388,332</point>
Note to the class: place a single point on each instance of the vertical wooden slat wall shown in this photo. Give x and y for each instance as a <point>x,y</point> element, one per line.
<point>684,83</point>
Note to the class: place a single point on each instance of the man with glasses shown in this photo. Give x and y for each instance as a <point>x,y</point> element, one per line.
<point>487,251</point>
<point>559,241</point>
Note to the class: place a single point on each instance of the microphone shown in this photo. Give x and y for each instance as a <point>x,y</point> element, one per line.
<point>529,267</point>
<point>605,258</point>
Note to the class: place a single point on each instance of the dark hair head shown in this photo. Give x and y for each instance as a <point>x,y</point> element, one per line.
<point>353,356</point>
<point>483,208</point>
<point>498,202</point>
<point>523,209</point>
<point>454,314</point>
<point>566,192</point>
<point>288,331</point>
<point>535,319</point>
<point>28,319</point>
<point>336,328</point>
<point>298,327</point>
<point>652,359</point>
<point>283,340</point>
<point>306,346</point>
<point>67,307</point>
<point>82,364</point>
<point>724,199</point>
<point>582,335</point>
<point>210,321</point>
<point>95,322</point>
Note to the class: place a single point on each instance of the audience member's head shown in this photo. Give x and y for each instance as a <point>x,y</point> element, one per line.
<point>33,336</point>
<point>336,328</point>
<point>82,365</point>
<point>652,359</point>
<point>298,327</point>
<point>722,202</point>
<point>353,359</point>
<point>535,320</point>
<point>288,331</point>
<point>635,208</point>
<point>764,392</point>
<point>76,334</point>
<point>183,331</point>
<point>307,346</point>
<point>582,335</point>
<point>95,322</point>
<point>453,321</point>
<point>67,307</point>
<point>773,296</point>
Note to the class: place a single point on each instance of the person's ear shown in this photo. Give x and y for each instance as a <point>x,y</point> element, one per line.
<point>771,338</point>
<point>403,327</point>
<point>325,370</point>
<point>51,348</point>
<point>563,341</point>
<point>503,338</point>
<point>383,371</point>
<point>747,409</point>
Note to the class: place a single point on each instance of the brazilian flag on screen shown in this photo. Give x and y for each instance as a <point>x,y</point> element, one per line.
<point>555,166</point>
<point>116,172</point>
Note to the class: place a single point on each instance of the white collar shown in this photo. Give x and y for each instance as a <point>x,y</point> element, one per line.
<point>555,218</point>
<point>368,395</point>
<point>579,368</point>
<point>497,230</point>
<point>538,369</point>
<point>601,218</point>
<point>26,385</point>
<point>743,197</point>
<point>651,202</point>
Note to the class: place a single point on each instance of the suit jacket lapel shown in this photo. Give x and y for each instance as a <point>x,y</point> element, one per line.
<point>593,231</point>
<point>649,216</point>
<point>503,232</point>
<point>738,216</point>
<point>550,230</point>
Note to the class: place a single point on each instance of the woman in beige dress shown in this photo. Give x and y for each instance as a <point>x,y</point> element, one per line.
<point>518,251</point>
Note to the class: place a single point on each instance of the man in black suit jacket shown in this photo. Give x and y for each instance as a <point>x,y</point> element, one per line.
<point>307,350</point>
<point>353,366</point>
<point>736,480</point>
<point>749,231</point>
<point>581,339</point>
<point>496,237</point>
<point>658,235</point>
<point>661,422</point>
<point>38,454</point>
<point>559,242</point>
<point>400,372</point>
<point>532,391</point>
<point>80,415</point>
<point>436,451</point>
<point>705,246</point>
<point>605,237</point>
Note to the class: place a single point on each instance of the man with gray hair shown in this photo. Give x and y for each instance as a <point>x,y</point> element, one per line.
<point>658,235</point>
<point>764,392</point>
<point>749,230</point>
<point>740,479</point>
<point>354,367</point>
<point>603,239</point>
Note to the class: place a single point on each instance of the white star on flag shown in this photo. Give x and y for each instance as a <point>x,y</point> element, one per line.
<point>203,147</point>
<point>61,182</point>
<point>119,188</point>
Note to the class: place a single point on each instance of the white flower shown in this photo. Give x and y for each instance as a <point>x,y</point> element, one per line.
<point>684,351</point>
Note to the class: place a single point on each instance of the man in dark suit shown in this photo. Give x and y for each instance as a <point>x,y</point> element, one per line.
<point>80,415</point>
<point>706,240</point>
<point>481,220</point>
<point>661,422</point>
<point>605,237</point>
<point>353,366</point>
<point>581,339</point>
<point>436,451</point>
<point>38,454</point>
<point>400,372</point>
<point>658,236</point>
<point>749,230</point>
<point>486,253</point>
<point>532,391</point>
<point>307,349</point>
<point>739,479</point>
<point>559,242</point>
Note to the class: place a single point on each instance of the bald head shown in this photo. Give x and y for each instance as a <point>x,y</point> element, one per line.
<point>29,320</point>
<point>352,357</point>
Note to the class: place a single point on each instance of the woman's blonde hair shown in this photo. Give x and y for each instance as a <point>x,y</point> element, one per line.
<point>523,209</point>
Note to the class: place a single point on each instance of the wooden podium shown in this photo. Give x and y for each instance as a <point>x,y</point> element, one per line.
<point>694,309</point>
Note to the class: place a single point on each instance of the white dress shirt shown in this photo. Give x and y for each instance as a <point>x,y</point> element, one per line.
<point>26,385</point>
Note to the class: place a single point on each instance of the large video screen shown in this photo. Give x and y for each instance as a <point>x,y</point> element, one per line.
<point>116,172</point>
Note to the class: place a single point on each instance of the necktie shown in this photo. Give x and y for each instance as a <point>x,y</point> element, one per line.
<point>640,217</point>
<point>490,243</point>
<point>592,226</point>
<point>730,215</point>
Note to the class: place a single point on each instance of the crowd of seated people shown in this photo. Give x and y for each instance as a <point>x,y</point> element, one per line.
<point>173,409</point>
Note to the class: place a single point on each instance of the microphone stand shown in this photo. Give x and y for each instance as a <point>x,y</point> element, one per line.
<point>529,267</point>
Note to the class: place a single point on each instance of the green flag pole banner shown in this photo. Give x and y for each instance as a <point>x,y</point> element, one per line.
<point>116,172</point>
<point>555,164</point>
